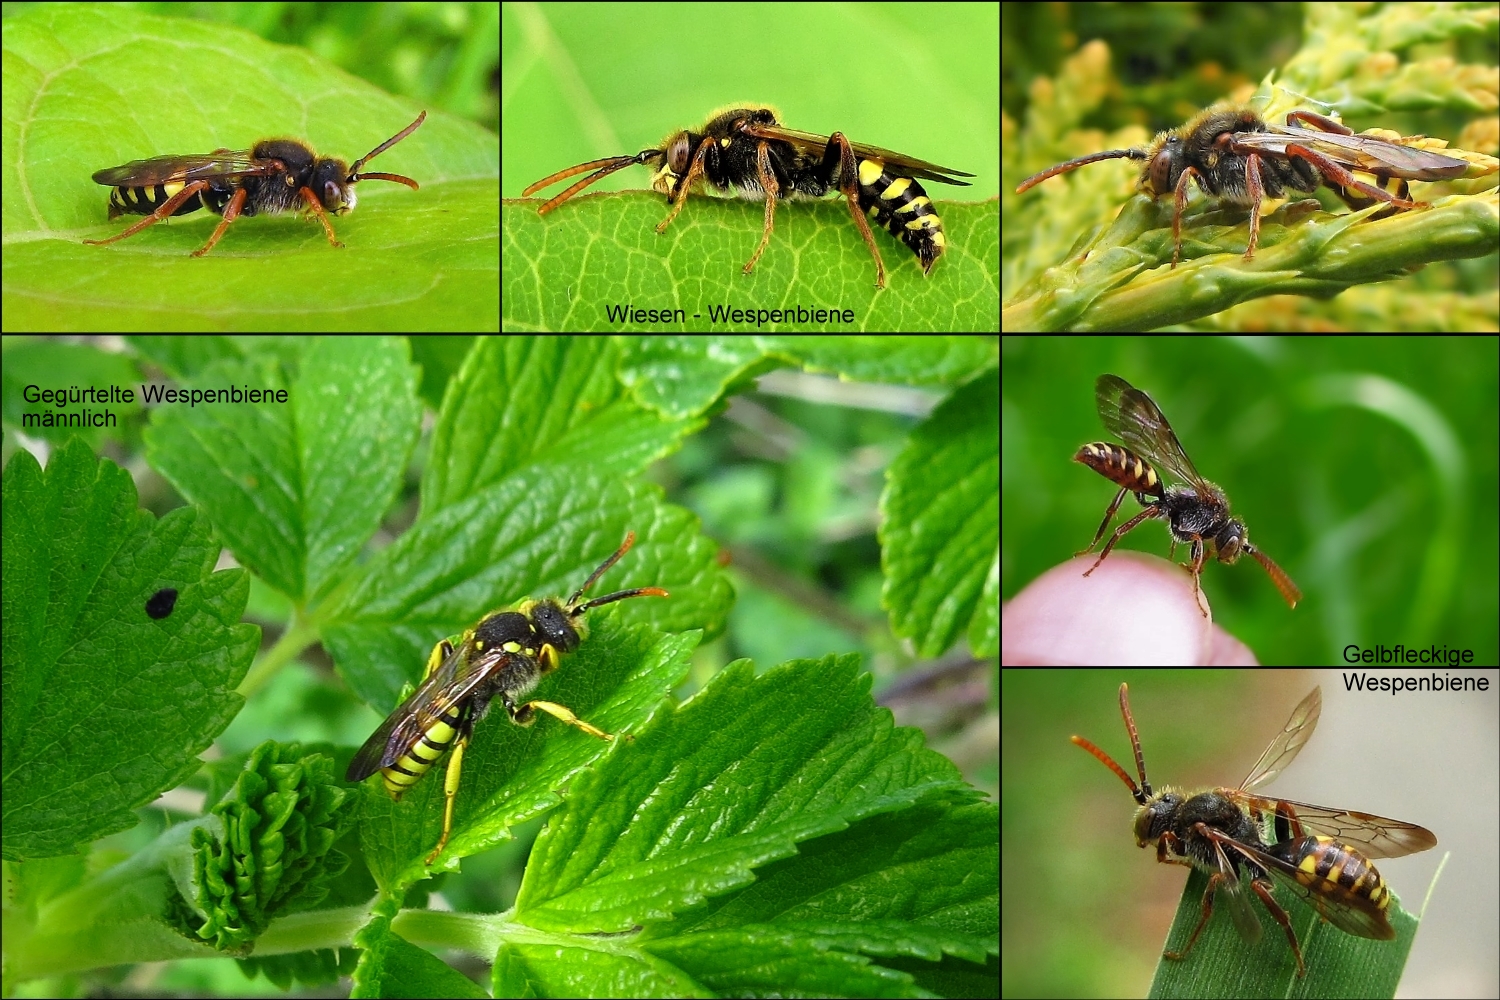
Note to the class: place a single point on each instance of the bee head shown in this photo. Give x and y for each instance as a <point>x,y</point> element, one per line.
<point>334,185</point>
<point>1155,817</point>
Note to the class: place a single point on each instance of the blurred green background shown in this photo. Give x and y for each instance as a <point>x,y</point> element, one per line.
<point>443,55</point>
<point>1366,467</point>
<point>587,80</point>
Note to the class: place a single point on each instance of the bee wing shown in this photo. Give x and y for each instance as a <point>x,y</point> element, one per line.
<point>1345,908</point>
<point>1233,894</point>
<point>1284,748</point>
<point>453,680</point>
<point>180,169</point>
<point>1360,152</point>
<point>814,145</point>
<point>1134,416</point>
<point>1373,836</point>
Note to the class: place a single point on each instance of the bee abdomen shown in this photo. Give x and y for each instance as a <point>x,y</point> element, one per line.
<point>1329,868</point>
<point>417,761</point>
<point>1121,466</point>
<point>902,206</point>
<point>145,200</point>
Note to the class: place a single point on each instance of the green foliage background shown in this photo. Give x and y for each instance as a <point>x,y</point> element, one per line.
<point>587,81</point>
<point>1385,520</point>
<point>90,81</point>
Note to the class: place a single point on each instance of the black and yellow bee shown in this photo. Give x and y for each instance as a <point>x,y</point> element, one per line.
<point>747,151</point>
<point>504,657</point>
<point>1320,852</point>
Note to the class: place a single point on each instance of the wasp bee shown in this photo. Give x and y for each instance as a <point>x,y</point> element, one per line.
<point>1320,853</point>
<point>1196,514</point>
<point>276,176</point>
<point>504,657</point>
<point>746,150</point>
<point>1234,155</point>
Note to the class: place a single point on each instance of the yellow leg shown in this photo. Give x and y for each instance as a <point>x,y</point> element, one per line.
<point>450,793</point>
<point>562,714</point>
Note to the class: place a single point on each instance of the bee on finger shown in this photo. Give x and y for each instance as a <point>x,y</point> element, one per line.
<point>1197,514</point>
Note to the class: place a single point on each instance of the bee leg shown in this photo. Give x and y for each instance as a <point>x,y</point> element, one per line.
<point>695,170</point>
<point>1208,910</point>
<point>1318,121</point>
<point>1152,511</point>
<point>1165,858</point>
<point>450,792</point>
<point>1257,193</point>
<point>317,209</point>
<point>848,177</point>
<point>163,212</point>
<point>1114,506</point>
<point>1199,550</point>
<point>1179,205</point>
<point>231,212</point>
<point>770,189</point>
<point>1263,891</point>
<point>559,713</point>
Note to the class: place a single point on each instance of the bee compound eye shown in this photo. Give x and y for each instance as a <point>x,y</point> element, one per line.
<point>677,153</point>
<point>1231,541</point>
<point>1161,168</point>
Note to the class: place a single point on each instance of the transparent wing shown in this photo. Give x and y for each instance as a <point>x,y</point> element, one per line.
<point>1341,905</point>
<point>188,167</point>
<point>1373,836</point>
<point>1360,152</point>
<point>1233,893</point>
<point>814,145</point>
<point>1135,418</point>
<point>459,673</point>
<point>1285,747</point>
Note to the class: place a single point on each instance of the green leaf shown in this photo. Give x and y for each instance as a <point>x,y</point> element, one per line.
<point>1221,964</point>
<point>89,736</point>
<point>95,95</point>
<point>593,254</point>
<point>269,850</point>
<point>941,537</point>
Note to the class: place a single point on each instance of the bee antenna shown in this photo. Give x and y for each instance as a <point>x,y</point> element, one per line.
<point>1110,154</point>
<point>606,166</point>
<point>354,170</point>
<point>1135,739</point>
<point>575,608</point>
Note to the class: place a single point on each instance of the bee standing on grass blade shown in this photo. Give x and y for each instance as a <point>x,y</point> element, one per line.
<point>1196,514</point>
<point>1230,831</point>
<point>1233,154</point>
<point>277,176</point>
<point>504,657</point>
<point>747,150</point>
